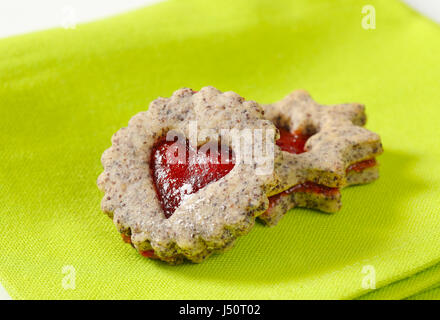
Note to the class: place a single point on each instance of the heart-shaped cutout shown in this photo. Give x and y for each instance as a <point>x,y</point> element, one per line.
<point>176,176</point>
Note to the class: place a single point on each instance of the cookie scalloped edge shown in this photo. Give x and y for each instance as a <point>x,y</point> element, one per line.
<point>207,221</point>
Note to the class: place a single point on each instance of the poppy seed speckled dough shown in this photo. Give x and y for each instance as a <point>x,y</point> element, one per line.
<point>337,140</point>
<point>208,220</point>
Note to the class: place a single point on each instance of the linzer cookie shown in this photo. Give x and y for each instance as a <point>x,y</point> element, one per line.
<point>325,148</point>
<point>180,198</point>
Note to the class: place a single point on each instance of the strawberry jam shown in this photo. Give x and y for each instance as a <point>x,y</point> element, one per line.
<point>292,142</point>
<point>312,187</point>
<point>149,254</point>
<point>362,165</point>
<point>309,187</point>
<point>176,176</point>
<point>125,238</point>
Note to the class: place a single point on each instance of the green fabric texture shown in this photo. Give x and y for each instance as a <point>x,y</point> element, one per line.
<point>64,92</point>
<point>430,294</point>
<point>408,288</point>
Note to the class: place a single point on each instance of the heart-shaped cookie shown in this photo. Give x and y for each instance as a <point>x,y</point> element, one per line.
<point>173,211</point>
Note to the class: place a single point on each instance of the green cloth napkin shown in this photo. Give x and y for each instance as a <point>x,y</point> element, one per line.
<point>64,92</point>
<point>412,287</point>
<point>430,294</point>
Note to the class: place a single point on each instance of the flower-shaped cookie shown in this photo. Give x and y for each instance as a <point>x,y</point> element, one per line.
<point>324,148</point>
<point>191,208</point>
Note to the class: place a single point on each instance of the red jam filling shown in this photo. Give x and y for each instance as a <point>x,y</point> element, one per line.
<point>292,142</point>
<point>175,180</point>
<point>125,238</point>
<point>312,187</point>
<point>148,254</point>
<point>362,165</point>
<point>307,186</point>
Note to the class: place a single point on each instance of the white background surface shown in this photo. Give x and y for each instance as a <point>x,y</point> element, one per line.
<point>22,16</point>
